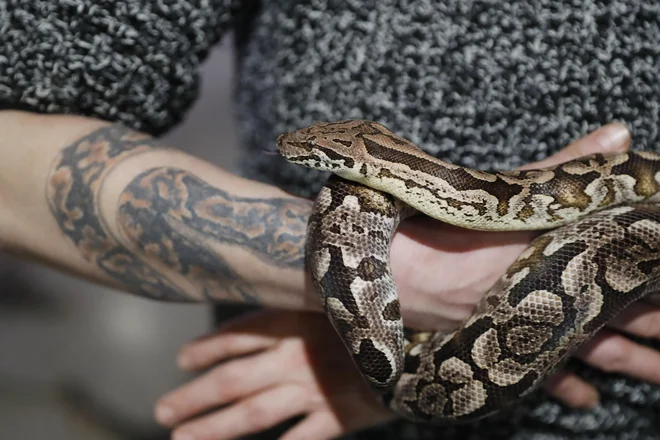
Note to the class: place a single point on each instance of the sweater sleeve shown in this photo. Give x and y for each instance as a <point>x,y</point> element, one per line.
<point>130,61</point>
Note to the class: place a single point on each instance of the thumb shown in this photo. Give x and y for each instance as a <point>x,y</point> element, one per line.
<point>609,139</point>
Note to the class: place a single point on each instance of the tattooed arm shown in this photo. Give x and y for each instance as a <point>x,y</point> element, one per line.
<point>113,206</point>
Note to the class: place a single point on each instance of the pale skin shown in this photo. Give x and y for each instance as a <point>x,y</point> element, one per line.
<point>114,207</point>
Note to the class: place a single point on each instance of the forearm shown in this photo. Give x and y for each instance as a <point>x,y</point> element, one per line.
<point>114,206</point>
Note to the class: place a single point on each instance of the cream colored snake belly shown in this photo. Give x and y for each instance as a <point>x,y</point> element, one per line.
<point>601,253</point>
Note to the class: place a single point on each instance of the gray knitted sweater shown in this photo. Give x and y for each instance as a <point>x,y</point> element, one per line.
<point>483,83</point>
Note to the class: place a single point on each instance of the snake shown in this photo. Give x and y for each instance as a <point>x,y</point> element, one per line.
<point>596,250</point>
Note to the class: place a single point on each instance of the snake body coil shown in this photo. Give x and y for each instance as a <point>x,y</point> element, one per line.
<point>602,253</point>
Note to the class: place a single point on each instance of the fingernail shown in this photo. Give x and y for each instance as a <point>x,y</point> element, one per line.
<point>613,137</point>
<point>164,414</point>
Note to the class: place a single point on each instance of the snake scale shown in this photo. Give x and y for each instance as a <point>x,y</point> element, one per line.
<point>601,251</point>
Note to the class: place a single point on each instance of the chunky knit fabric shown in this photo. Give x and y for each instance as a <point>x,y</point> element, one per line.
<point>483,83</point>
<point>130,61</point>
<point>487,84</point>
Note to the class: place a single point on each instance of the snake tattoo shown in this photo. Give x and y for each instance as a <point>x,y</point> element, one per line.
<point>597,252</point>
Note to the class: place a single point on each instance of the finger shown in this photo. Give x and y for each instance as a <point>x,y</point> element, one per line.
<point>638,319</point>
<point>610,138</point>
<point>614,353</point>
<point>319,426</point>
<point>572,391</point>
<point>222,385</point>
<point>206,352</point>
<point>240,336</point>
<point>257,413</point>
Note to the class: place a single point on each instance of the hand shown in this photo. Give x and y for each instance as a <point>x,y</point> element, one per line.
<point>453,287</point>
<point>291,364</point>
<point>276,365</point>
<point>491,252</point>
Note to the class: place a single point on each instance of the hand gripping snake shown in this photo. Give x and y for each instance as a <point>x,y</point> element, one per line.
<point>601,253</point>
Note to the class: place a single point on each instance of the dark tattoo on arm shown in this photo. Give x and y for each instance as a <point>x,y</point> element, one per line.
<point>172,223</point>
<point>72,193</point>
<point>176,218</point>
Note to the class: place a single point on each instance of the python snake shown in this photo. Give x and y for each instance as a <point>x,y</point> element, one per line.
<point>601,252</point>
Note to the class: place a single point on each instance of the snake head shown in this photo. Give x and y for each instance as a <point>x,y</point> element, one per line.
<point>325,146</point>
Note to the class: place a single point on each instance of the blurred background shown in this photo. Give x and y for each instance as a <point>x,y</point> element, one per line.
<point>78,361</point>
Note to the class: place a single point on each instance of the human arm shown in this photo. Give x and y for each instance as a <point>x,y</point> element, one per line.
<point>114,206</point>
